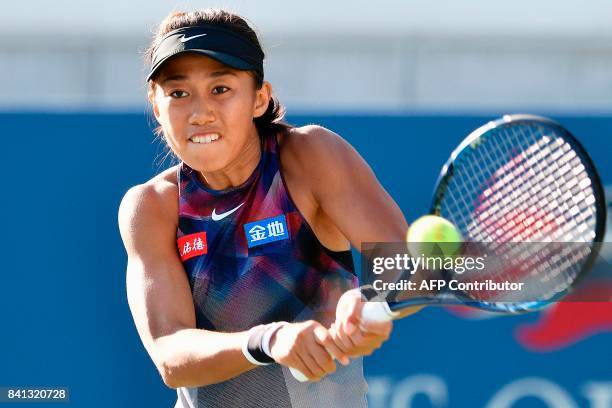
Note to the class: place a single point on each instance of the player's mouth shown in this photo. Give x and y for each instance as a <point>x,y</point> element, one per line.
<point>205,139</point>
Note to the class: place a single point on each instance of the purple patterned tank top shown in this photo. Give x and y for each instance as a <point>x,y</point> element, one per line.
<point>251,258</point>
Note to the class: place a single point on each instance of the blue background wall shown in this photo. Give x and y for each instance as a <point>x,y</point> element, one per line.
<point>65,319</point>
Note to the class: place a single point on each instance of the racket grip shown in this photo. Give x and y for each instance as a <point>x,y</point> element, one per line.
<point>298,375</point>
<point>377,312</point>
<point>371,312</point>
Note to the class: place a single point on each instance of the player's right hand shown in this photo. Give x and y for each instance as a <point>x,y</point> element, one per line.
<point>308,347</point>
<point>354,335</point>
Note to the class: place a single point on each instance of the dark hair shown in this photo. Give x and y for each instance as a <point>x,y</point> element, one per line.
<point>272,119</point>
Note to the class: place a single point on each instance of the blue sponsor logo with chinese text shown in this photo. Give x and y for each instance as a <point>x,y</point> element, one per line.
<point>267,230</point>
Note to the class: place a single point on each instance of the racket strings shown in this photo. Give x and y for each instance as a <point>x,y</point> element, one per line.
<point>524,184</point>
<point>514,195</point>
<point>511,191</point>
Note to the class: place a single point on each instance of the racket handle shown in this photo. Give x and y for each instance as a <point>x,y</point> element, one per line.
<point>377,312</point>
<point>371,312</point>
<point>298,375</point>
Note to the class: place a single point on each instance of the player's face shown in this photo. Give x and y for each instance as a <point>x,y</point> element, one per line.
<point>206,111</point>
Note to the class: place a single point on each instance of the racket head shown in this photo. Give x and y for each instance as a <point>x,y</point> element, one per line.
<point>475,187</point>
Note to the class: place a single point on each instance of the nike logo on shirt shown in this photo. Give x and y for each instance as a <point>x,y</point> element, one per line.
<point>217,217</point>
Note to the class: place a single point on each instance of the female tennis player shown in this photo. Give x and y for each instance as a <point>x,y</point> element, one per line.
<point>239,262</point>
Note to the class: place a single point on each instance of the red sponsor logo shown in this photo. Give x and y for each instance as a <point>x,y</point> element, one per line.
<point>570,321</point>
<point>192,245</point>
<point>563,324</point>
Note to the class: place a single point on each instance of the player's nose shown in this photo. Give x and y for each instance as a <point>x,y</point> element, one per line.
<point>201,112</point>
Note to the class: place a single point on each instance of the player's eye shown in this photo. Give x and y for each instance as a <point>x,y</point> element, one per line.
<point>220,89</point>
<point>178,94</point>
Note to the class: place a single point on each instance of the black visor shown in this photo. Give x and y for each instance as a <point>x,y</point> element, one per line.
<point>223,45</point>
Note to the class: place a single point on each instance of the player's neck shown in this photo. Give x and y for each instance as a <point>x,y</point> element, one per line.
<point>239,170</point>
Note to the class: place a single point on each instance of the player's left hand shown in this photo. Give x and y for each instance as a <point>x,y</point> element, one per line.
<point>354,336</point>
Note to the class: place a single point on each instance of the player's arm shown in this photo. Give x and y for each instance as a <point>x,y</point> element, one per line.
<point>160,298</point>
<point>162,307</point>
<point>355,200</point>
<point>348,193</point>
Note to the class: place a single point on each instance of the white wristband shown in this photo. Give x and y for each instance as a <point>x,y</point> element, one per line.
<point>265,344</point>
<point>245,347</point>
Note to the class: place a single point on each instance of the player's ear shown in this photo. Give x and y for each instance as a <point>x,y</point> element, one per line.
<point>151,96</point>
<point>262,99</point>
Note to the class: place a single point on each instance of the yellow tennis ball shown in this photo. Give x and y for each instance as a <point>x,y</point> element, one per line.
<point>431,235</point>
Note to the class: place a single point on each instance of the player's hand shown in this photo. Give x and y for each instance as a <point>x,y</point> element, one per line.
<point>353,335</point>
<point>307,346</point>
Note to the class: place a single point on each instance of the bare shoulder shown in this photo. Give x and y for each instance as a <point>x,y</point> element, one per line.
<point>312,141</point>
<point>154,202</point>
<point>313,151</point>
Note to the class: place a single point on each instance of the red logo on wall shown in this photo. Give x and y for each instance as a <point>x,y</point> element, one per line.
<point>192,245</point>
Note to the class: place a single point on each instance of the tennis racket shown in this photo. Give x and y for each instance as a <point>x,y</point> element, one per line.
<point>519,179</point>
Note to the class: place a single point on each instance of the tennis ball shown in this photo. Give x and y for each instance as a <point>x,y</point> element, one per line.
<point>433,236</point>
